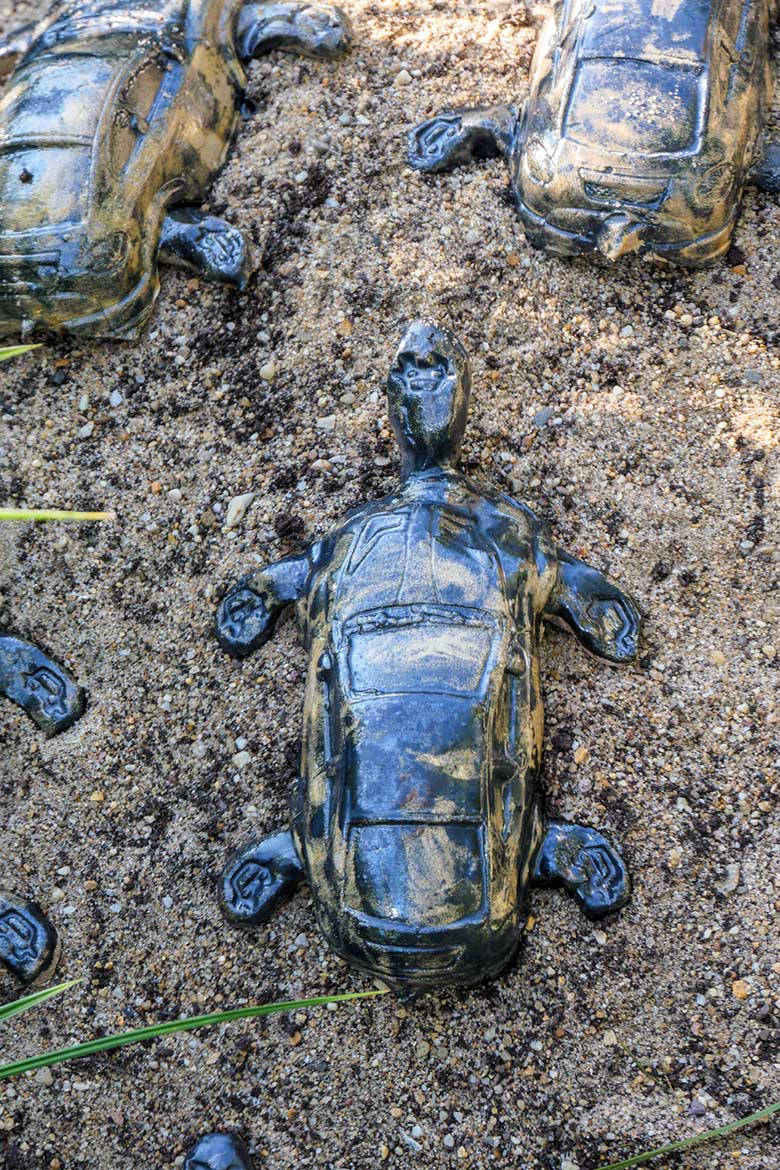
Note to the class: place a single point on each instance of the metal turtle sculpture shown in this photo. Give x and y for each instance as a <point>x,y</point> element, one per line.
<point>115,120</point>
<point>418,820</point>
<point>45,691</point>
<point>642,127</point>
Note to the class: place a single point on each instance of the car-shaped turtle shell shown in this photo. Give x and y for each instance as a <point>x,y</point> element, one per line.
<point>116,114</point>
<point>417,825</point>
<point>418,822</point>
<point>643,123</point>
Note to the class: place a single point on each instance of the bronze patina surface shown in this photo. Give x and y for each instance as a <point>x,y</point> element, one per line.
<point>642,126</point>
<point>418,821</point>
<point>115,115</point>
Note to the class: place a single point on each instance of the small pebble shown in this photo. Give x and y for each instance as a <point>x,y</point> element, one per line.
<point>731,881</point>
<point>413,1145</point>
<point>237,509</point>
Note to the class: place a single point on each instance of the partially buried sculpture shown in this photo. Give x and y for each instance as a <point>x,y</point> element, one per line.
<point>44,690</point>
<point>642,126</point>
<point>29,945</point>
<point>418,821</point>
<point>218,1151</point>
<point>114,122</point>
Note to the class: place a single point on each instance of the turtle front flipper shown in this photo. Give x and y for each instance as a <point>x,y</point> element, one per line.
<point>211,247</point>
<point>313,30</point>
<point>259,878</point>
<point>583,862</point>
<point>456,137</point>
<point>46,692</point>
<point>598,613</point>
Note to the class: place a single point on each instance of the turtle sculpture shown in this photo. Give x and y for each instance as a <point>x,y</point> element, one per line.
<point>642,126</point>
<point>46,692</point>
<point>418,821</point>
<point>115,120</point>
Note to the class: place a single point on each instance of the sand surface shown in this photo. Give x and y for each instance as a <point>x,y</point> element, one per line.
<point>657,460</point>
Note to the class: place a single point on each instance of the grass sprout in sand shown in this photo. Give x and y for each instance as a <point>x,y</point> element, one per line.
<point>137,1035</point>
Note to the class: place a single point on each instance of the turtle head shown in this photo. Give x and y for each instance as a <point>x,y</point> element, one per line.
<point>428,391</point>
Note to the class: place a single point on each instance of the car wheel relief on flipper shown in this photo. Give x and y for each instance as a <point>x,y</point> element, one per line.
<point>44,690</point>
<point>114,121</point>
<point>640,130</point>
<point>417,823</point>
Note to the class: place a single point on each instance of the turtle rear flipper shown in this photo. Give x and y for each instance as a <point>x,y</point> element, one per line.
<point>259,878</point>
<point>313,30</point>
<point>29,944</point>
<point>457,137</point>
<point>209,246</point>
<point>583,862</point>
<point>46,692</point>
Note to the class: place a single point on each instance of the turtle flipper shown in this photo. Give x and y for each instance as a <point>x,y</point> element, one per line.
<point>313,30</point>
<point>209,246</point>
<point>45,691</point>
<point>259,878</point>
<point>456,137</point>
<point>766,173</point>
<point>583,862</point>
<point>598,613</point>
<point>29,945</point>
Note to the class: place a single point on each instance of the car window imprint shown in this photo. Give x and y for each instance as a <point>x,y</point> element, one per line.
<point>636,106</point>
<point>413,659</point>
<point>134,112</point>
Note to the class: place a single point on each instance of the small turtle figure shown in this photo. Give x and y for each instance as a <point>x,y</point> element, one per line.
<point>29,944</point>
<point>418,821</point>
<point>44,690</point>
<point>642,127</point>
<point>218,1151</point>
<point>116,119</point>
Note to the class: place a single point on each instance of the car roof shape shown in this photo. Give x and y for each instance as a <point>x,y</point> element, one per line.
<point>648,29</point>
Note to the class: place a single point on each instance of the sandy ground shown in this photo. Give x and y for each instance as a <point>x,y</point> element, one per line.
<point>659,463</point>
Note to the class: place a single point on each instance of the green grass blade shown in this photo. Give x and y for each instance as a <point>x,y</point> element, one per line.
<point>121,1039</point>
<point>52,514</point>
<point>17,1006</point>
<point>10,351</point>
<point>697,1139</point>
